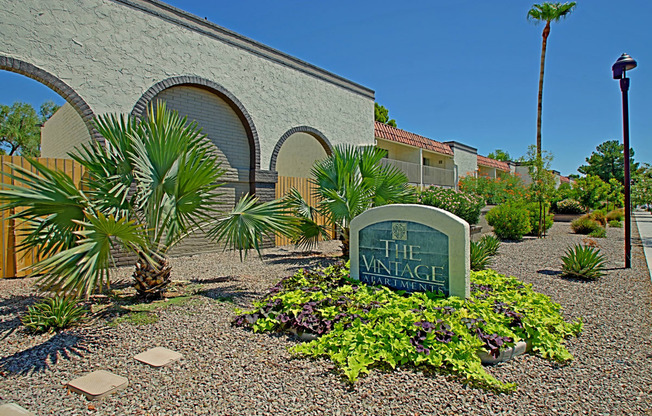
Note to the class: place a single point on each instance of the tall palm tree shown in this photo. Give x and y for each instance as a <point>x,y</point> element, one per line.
<point>154,182</point>
<point>546,12</point>
<point>352,180</point>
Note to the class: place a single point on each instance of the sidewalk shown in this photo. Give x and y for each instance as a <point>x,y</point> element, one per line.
<point>644,223</point>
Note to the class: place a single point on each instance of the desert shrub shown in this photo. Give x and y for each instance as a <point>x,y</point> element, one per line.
<point>616,215</point>
<point>569,206</point>
<point>584,225</point>
<point>463,204</point>
<point>533,209</point>
<point>600,217</point>
<point>54,313</point>
<point>615,224</point>
<point>510,222</point>
<point>583,261</point>
<point>490,243</point>
<point>598,233</point>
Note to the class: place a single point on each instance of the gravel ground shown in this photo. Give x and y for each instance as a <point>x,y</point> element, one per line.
<point>229,371</point>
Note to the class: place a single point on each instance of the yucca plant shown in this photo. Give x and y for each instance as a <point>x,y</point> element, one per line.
<point>53,313</point>
<point>480,258</point>
<point>491,244</point>
<point>583,261</point>
<point>150,185</point>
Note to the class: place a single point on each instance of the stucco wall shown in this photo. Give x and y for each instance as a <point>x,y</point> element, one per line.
<point>62,132</point>
<point>465,157</point>
<point>111,52</point>
<point>298,154</point>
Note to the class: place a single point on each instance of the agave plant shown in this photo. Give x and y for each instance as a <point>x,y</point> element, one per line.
<point>54,313</point>
<point>352,180</point>
<point>480,257</point>
<point>583,261</point>
<point>154,182</point>
<point>491,244</point>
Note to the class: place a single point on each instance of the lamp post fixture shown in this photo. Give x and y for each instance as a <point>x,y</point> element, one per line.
<point>620,68</point>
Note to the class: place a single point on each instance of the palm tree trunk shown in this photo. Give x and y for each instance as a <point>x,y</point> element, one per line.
<point>151,280</point>
<point>544,43</point>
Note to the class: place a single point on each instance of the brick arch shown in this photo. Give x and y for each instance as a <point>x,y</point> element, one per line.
<point>321,138</point>
<point>220,91</point>
<point>57,85</point>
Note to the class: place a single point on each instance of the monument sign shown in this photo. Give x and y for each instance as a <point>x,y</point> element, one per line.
<point>412,248</point>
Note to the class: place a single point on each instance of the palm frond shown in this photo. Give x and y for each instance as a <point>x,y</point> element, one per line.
<point>83,268</point>
<point>250,223</point>
<point>48,204</point>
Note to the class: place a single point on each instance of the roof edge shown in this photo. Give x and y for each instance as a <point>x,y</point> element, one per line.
<point>190,21</point>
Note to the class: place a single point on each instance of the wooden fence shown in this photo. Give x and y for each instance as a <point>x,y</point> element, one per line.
<point>13,264</point>
<point>305,188</point>
<point>16,264</point>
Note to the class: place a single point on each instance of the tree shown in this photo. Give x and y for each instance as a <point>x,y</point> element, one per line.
<point>352,180</point>
<point>154,183</point>
<point>590,191</point>
<point>642,187</point>
<point>542,188</point>
<point>501,155</point>
<point>20,127</point>
<point>381,114</point>
<point>608,161</point>
<point>47,110</point>
<point>546,12</point>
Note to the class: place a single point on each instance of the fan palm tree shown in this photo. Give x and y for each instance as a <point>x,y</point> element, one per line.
<point>352,180</point>
<point>153,183</point>
<point>546,12</point>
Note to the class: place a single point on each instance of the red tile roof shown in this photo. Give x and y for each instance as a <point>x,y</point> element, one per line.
<point>492,163</point>
<point>383,131</point>
<point>564,179</point>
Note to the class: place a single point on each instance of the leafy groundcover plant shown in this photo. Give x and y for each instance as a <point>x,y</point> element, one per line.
<point>360,327</point>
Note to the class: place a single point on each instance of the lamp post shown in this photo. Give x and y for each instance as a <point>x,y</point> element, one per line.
<point>620,68</point>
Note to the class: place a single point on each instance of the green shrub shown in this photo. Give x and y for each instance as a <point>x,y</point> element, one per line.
<point>479,256</point>
<point>360,327</point>
<point>463,204</point>
<point>533,209</point>
<point>510,222</point>
<point>583,261</point>
<point>616,215</point>
<point>490,243</point>
<point>569,206</point>
<point>615,224</point>
<point>598,233</point>
<point>584,225</point>
<point>53,313</point>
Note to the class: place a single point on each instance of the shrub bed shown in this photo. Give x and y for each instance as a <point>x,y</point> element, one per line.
<point>569,206</point>
<point>465,205</point>
<point>362,327</point>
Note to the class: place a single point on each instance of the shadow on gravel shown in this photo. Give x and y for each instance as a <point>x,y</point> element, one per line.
<point>221,279</point>
<point>62,346</point>
<point>300,262</point>
<point>229,294</point>
<point>549,272</point>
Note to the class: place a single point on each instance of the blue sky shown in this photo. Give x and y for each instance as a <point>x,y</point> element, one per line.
<point>464,70</point>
